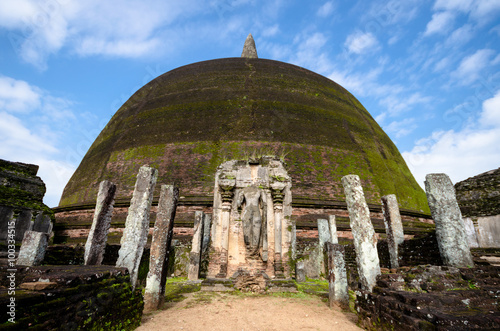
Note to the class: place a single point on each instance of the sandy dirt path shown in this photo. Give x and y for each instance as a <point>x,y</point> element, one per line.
<point>209,311</point>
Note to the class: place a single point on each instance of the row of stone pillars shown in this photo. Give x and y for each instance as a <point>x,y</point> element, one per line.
<point>136,232</point>
<point>450,233</point>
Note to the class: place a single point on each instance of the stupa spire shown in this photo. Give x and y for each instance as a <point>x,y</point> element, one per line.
<point>249,49</point>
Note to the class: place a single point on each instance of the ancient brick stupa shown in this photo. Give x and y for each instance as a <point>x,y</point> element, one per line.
<point>188,121</point>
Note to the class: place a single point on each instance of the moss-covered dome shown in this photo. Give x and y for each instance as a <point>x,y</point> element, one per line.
<point>189,120</point>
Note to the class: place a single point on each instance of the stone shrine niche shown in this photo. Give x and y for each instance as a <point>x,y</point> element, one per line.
<point>252,227</point>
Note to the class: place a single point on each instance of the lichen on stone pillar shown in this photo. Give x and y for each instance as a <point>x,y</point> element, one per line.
<point>365,240</point>
<point>450,230</point>
<point>98,235</point>
<point>393,227</point>
<point>136,230</point>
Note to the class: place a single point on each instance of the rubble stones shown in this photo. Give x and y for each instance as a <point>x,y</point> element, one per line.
<point>432,298</point>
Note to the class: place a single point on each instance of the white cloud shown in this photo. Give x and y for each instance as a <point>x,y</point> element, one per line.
<point>490,117</point>
<point>441,23</point>
<point>460,154</point>
<point>123,48</point>
<point>401,128</point>
<point>13,13</point>
<point>460,36</point>
<point>19,140</point>
<point>480,10</point>
<point>309,52</point>
<point>326,9</point>
<point>127,28</point>
<point>17,95</point>
<point>396,104</point>
<point>271,30</point>
<point>360,42</point>
<point>460,5</point>
<point>442,64</point>
<point>364,83</point>
<point>471,66</point>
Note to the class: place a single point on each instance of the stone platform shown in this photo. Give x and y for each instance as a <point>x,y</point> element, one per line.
<point>248,284</point>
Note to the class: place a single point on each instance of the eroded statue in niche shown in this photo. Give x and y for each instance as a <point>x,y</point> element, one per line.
<point>253,216</point>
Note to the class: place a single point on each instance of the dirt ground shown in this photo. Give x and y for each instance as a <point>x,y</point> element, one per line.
<point>209,311</point>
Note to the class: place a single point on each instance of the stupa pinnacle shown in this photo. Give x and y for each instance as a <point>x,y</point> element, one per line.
<point>249,49</point>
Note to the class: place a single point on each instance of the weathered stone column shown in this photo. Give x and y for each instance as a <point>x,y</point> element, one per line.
<point>393,227</point>
<point>323,233</point>
<point>338,290</point>
<point>226,187</point>
<point>6,218</point>
<point>135,235</point>
<point>323,237</point>
<point>207,224</point>
<point>450,229</point>
<point>277,194</point>
<point>33,248</point>
<point>471,231</point>
<point>365,241</point>
<point>98,235</point>
<point>300,272</point>
<point>333,229</point>
<point>194,256</point>
<point>154,293</point>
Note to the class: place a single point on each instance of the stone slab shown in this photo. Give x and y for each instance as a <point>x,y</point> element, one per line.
<point>33,248</point>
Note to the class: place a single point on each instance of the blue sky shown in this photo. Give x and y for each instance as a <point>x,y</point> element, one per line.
<point>427,71</point>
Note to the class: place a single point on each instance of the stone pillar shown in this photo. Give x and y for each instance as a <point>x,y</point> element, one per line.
<point>338,290</point>
<point>33,248</point>
<point>393,227</point>
<point>205,244</point>
<point>333,229</point>
<point>226,187</point>
<point>42,223</point>
<point>470,229</point>
<point>323,237</point>
<point>450,229</point>
<point>23,223</point>
<point>293,242</point>
<point>154,293</point>
<point>6,217</point>
<point>277,194</point>
<point>98,235</point>
<point>323,233</point>
<point>194,256</point>
<point>365,241</point>
<point>300,272</point>
<point>135,235</point>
